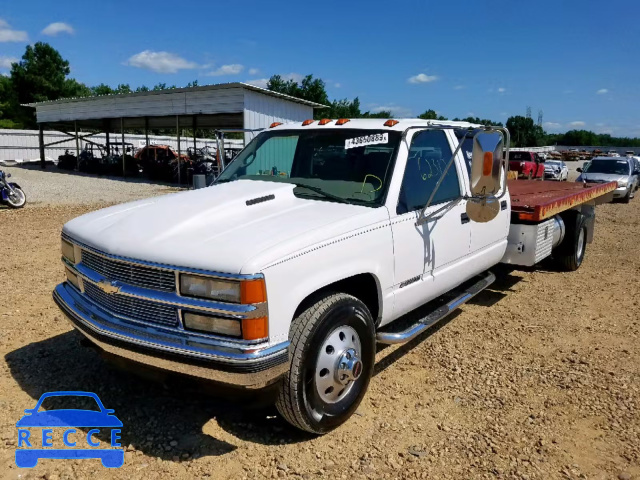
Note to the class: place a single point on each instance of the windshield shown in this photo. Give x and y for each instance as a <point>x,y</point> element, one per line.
<point>351,166</point>
<point>522,156</point>
<point>613,167</point>
<point>552,163</point>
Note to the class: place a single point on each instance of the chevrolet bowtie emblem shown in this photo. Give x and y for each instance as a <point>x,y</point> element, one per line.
<point>108,287</point>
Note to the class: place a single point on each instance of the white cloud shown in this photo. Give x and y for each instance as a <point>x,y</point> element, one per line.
<point>502,90</point>
<point>5,62</point>
<point>459,87</point>
<point>602,91</point>
<point>396,110</point>
<point>7,34</point>
<point>577,123</point>
<point>160,62</point>
<point>258,82</point>
<point>552,125</point>
<point>254,71</point>
<point>422,78</point>
<point>232,69</point>
<point>55,28</point>
<point>337,85</point>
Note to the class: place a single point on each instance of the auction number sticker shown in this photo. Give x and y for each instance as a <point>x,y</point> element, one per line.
<point>375,139</point>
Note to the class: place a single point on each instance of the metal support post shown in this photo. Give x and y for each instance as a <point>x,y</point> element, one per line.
<point>43,162</point>
<point>75,127</point>
<point>178,134</point>
<point>124,170</point>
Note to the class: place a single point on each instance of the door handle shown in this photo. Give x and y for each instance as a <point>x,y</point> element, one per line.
<point>464,218</point>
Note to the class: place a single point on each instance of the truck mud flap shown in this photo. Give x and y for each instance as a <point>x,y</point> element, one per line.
<point>398,332</point>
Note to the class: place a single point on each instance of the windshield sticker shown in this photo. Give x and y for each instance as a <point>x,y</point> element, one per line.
<point>375,139</point>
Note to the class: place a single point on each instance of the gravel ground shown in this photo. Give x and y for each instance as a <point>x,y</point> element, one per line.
<point>56,187</point>
<point>538,378</point>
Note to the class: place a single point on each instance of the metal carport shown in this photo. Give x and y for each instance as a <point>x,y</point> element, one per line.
<point>237,106</point>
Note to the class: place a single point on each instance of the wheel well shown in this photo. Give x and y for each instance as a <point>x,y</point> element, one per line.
<point>362,286</point>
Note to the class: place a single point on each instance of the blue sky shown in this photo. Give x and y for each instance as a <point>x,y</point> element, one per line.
<point>577,61</point>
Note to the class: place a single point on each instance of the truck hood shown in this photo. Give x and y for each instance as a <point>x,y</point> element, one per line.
<point>602,177</point>
<point>237,227</point>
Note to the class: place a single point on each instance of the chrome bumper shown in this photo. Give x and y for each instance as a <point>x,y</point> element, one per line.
<point>247,366</point>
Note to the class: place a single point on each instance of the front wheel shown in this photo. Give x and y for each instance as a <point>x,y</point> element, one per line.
<point>331,362</point>
<point>16,198</point>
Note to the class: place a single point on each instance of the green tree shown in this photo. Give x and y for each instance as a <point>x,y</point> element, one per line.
<point>142,88</point>
<point>101,89</point>
<point>431,115</point>
<point>524,133</point>
<point>481,121</point>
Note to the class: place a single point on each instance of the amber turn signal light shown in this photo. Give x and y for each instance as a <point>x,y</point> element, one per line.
<point>391,123</point>
<point>342,121</point>
<point>307,122</point>
<point>487,165</point>
<point>255,328</point>
<point>253,291</point>
<point>324,121</point>
<point>275,124</point>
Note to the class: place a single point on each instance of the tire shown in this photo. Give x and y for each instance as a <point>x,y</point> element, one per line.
<point>19,201</point>
<point>530,175</point>
<point>627,197</point>
<point>569,255</point>
<point>328,328</point>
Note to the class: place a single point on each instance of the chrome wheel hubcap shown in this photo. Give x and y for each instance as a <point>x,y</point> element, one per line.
<point>338,365</point>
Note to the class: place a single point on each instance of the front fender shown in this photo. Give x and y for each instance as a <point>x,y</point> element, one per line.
<point>293,279</point>
<point>4,194</point>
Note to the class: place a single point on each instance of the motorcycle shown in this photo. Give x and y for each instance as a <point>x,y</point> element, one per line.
<point>10,193</point>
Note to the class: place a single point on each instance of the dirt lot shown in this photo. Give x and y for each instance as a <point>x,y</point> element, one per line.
<point>538,378</point>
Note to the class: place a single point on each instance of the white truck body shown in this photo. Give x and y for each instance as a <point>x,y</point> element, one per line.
<point>298,245</point>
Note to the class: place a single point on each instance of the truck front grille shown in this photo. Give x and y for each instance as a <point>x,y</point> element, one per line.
<point>131,274</point>
<point>132,308</point>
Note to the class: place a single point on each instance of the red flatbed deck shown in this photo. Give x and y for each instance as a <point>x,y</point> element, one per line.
<point>533,200</point>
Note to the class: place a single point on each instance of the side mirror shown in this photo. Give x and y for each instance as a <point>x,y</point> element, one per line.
<point>487,160</point>
<point>487,173</point>
<point>579,170</point>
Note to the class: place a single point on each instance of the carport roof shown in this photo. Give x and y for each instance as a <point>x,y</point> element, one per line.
<point>209,106</point>
<point>218,86</point>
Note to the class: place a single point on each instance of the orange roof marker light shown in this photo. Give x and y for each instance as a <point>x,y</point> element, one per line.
<point>391,123</point>
<point>324,121</point>
<point>307,122</point>
<point>275,124</point>
<point>342,121</point>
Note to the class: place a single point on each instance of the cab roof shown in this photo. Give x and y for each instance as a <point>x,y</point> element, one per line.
<point>375,124</point>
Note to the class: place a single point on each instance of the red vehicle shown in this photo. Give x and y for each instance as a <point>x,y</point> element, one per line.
<point>527,164</point>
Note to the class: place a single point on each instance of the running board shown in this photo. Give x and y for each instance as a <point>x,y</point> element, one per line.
<point>392,338</point>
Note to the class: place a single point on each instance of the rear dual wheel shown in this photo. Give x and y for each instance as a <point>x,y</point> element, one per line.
<point>570,253</point>
<point>332,359</point>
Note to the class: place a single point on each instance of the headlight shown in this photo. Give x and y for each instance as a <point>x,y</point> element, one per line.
<point>211,288</point>
<point>209,324</point>
<point>72,278</point>
<point>522,164</point>
<point>68,251</point>
<point>622,183</point>
<point>234,291</point>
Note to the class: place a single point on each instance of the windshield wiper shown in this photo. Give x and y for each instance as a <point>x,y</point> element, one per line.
<point>322,192</point>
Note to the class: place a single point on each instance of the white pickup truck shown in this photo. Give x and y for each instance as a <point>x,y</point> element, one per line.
<point>314,240</point>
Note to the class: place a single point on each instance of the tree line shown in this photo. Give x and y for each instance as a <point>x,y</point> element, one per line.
<point>42,74</point>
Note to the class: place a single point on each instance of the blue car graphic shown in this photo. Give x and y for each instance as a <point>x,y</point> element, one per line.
<point>28,457</point>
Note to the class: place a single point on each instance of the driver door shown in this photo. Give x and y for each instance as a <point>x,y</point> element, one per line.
<point>429,257</point>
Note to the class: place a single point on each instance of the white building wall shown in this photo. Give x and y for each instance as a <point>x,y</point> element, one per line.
<point>260,111</point>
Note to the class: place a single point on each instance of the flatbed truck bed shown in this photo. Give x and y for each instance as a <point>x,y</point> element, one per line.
<point>534,201</point>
